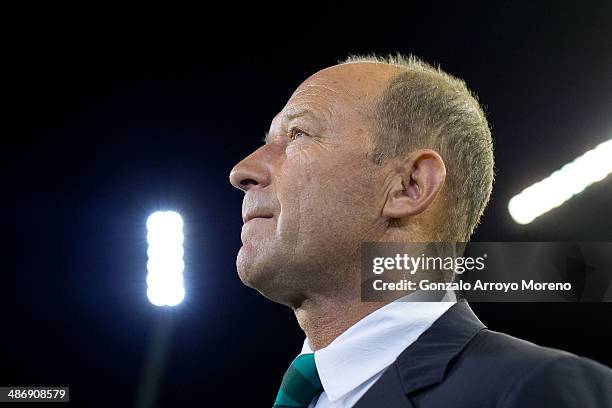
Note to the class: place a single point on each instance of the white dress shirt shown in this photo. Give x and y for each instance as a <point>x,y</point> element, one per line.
<point>356,359</point>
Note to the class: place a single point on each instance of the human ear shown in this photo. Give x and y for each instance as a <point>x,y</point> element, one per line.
<point>417,181</point>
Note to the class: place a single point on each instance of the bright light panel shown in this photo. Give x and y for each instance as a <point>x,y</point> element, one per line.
<point>564,183</point>
<point>165,252</point>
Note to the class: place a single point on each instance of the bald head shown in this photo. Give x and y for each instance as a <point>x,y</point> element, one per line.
<point>340,92</point>
<point>321,185</point>
<point>360,83</point>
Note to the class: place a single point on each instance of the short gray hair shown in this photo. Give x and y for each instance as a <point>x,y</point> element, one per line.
<point>425,107</point>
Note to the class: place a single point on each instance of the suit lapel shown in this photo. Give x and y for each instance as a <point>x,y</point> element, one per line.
<point>387,392</point>
<point>424,362</point>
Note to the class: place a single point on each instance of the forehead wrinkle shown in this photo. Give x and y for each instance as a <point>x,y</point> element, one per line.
<point>307,104</point>
<point>313,92</point>
<point>313,108</point>
<point>343,95</point>
<point>310,87</point>
<point>310,93</point>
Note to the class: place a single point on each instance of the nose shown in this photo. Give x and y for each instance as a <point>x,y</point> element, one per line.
<point>251,172</point>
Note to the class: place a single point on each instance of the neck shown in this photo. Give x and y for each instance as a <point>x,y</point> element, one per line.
<point>325,316</point>
<point>323,319</point>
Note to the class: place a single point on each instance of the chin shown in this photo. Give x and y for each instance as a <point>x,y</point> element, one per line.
<point>264,274</point>
<point>252,269</point>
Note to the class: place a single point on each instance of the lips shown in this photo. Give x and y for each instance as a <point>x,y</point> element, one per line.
<point>251,216</point>
<point>257,206</point>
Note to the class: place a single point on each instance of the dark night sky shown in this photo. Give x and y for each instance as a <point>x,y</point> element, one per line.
<point>111,115</point>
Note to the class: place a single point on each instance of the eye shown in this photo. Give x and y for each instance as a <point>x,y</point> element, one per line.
<point>295,133</point>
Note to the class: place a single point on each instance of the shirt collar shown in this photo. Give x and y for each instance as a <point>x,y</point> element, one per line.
<point>372,344</point>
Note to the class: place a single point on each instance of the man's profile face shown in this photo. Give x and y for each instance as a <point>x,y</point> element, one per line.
<point>310,192</point>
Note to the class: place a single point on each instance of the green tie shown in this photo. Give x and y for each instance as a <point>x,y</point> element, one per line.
<point>300,385</point>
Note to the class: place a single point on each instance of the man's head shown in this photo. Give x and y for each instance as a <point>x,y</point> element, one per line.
<point>368,150</point>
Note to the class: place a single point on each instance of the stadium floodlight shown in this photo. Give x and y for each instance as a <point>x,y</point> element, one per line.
<point>165,252</point>
<point>564,183</point>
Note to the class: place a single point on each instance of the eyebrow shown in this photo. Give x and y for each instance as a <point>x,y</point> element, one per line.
<point>297,113</point>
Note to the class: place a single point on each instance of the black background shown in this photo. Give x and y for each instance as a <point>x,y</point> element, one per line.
<point>113,114</point>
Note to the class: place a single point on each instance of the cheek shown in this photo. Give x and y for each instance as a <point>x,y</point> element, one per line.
<point>294,190</point>
<point>322,196</point>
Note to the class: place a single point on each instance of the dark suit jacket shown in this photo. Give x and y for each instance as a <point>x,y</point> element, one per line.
<point>459,363</point>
